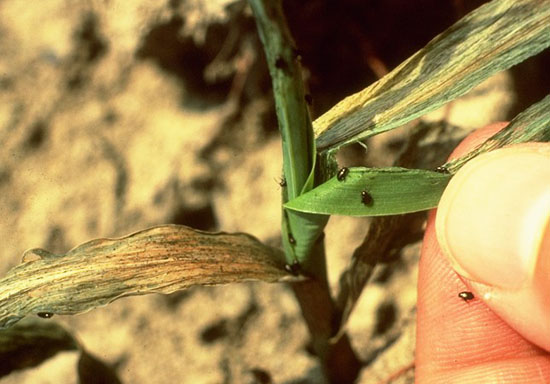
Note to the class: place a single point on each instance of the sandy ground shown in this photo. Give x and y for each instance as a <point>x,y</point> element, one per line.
<point>116,116</point>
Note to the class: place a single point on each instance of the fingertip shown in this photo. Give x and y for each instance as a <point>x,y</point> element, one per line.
<point>493,226</point>
<point>456,340</point>
<point>493,215</point>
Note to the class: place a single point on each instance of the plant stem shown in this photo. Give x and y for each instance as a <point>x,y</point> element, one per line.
<point>338,360</point>
<point>302,233</point>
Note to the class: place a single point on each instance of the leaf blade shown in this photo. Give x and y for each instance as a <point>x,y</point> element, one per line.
<point>161,259</point>
<point>492,38</point>
<point>393,191</point>
<point>533,124</point>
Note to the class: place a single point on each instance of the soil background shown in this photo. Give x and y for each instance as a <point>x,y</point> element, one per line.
<point>120,115</point>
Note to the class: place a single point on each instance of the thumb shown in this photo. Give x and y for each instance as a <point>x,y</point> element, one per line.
<point>493,224</point>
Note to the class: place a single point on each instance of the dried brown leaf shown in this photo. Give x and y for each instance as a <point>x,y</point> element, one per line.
<point>161,259</point>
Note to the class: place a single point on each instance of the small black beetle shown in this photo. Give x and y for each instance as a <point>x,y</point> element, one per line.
<point>293,268</point>
<point>442,169</point>
<point>366,198</point>
<point>342,173</point>
<point>466,295</point>
<point>291,239</point>
<point>281,64</point>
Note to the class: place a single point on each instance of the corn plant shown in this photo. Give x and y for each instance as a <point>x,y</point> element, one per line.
<point>168,258</point>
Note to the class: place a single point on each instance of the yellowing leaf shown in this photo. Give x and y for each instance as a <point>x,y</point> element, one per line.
<point>161,259</point>
<point>492,38</point>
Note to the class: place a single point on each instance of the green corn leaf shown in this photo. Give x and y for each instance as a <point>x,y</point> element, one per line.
<point>374,192</point>
<point>490,39</point>
<point>402,190</point>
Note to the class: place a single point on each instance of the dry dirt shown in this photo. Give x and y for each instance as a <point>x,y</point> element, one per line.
<point>119,115</point>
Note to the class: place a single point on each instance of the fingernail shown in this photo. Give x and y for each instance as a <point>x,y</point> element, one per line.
<point>493,220</point>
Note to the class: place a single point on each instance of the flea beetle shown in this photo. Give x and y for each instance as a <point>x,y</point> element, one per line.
<point>366,198</point>
<point>466,295</point>
<point>342,173</point>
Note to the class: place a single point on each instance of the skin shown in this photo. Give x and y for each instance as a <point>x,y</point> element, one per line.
<point>460,342</point>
